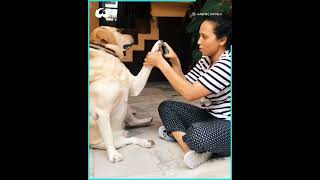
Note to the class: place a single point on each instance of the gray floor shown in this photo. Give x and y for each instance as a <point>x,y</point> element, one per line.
<point>164,159</point>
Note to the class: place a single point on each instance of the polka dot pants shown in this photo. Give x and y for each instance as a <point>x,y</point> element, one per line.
<point>204,132</point>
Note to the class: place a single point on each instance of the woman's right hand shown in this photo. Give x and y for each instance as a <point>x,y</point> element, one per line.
<point>171,55</point>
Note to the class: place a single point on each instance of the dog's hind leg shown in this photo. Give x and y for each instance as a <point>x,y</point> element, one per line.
<point>131,121</point>
<point>123,141</point>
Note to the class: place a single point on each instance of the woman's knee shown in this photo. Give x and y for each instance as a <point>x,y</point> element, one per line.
<point>165,106</point>
<point>164,110</point>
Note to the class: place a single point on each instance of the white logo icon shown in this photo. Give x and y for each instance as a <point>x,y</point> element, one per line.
<point>102,11</point>
<point>108,14</point>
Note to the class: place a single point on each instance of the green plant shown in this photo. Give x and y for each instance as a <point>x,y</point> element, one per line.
<point>196,15</point>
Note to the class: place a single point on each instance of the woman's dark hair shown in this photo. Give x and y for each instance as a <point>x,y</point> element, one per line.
<point>223,27</point>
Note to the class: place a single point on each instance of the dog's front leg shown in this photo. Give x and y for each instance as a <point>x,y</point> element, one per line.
<point>106,132</point>
<point>138,82</point>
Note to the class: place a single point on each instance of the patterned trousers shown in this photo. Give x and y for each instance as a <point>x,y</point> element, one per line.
<point>204,132</point>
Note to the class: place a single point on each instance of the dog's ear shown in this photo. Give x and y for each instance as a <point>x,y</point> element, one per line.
<point>104,36</point>
<point>93,36</point>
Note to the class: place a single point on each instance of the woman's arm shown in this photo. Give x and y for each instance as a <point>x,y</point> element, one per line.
<point>180,84</point>
<point>176,65</point>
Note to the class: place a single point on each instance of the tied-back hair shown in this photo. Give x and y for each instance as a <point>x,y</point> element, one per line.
<point>223,26</point>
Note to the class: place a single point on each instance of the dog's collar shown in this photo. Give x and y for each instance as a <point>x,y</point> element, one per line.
<point>99,46</point>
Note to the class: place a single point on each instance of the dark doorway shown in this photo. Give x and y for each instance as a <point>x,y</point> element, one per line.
<point>171,30</point>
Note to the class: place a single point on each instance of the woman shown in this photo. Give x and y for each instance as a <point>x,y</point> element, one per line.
<point>200,132</point>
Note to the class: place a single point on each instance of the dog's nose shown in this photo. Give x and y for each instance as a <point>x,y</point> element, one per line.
<point>130,38</point>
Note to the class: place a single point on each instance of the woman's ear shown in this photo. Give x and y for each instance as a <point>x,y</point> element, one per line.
<point>223,41</point>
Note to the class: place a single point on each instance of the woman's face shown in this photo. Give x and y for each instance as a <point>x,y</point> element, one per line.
<point>208,42</point>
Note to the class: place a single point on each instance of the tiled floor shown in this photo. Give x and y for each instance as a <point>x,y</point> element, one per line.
<point>164,159</point>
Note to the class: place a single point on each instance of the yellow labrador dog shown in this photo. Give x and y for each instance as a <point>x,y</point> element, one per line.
<point>110,85</point>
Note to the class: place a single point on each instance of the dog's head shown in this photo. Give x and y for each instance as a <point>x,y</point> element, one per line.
<point>111,39</point>
<point>107,35</point>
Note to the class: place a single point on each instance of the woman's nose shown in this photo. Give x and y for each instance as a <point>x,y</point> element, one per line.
<point>199,41</point>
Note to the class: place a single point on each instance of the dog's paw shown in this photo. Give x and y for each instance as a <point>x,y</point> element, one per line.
<point>156,46</point>
<point>134,123</point>
<point>125,133</point>
<point>114,156</point>
<point>146,143</point>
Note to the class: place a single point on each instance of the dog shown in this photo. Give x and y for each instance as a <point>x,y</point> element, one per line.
<point>111,83</point>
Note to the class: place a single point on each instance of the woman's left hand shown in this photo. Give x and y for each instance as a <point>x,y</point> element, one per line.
<point>154,59</point>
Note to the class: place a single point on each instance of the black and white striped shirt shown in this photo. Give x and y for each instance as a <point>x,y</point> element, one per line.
<point>217,79</point>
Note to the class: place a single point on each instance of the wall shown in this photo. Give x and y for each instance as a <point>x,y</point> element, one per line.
<point>94,21</point>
